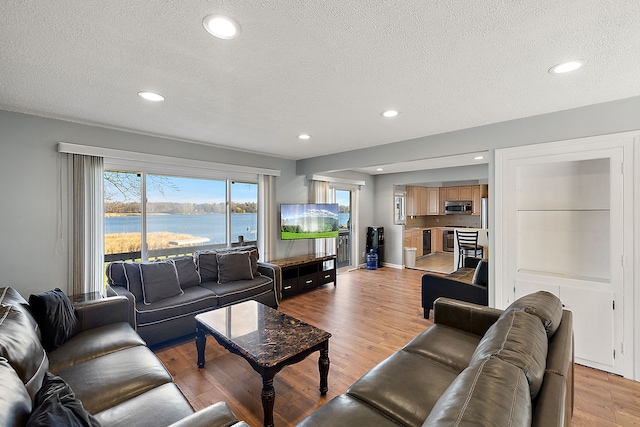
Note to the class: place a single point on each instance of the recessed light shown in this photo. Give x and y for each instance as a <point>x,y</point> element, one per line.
<point>150,96</point>
<point>389,113</point>
<point>379,169</point>
<point>304,136</point>
<point>221,26</point>
<point>478,158</point>
<point>567,67</point>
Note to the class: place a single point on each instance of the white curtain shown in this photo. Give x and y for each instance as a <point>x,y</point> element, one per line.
<point>87,216</point>
<point>267,219</point>
<point>320,194</point>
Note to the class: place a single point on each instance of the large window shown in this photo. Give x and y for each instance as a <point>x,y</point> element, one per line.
<point>180,215</point>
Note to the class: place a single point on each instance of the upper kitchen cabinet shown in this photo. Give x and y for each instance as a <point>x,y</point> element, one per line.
<point>465,193</point>
<point>478,192</point>
<point>468,192</point>
<point>422,201</point>
<point>433,201</point>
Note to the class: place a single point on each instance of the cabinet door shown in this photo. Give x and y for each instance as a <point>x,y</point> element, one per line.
<point>436,239</point>
<point>433,201</point>
<point>464,193</point>
<point>451,193</point>
<point>412,201</point>
<point>443,197</point>
<point>423,201</point>
<point>475,200</point>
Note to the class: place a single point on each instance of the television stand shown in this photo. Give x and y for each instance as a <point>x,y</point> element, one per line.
<point>301,273</point>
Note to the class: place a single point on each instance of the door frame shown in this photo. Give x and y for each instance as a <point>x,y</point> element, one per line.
<point>354,241</point>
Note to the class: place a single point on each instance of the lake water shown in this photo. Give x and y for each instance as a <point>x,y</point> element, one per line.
<point>211,226</point>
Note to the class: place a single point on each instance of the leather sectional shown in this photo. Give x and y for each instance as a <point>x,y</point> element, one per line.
<point>475,366</point>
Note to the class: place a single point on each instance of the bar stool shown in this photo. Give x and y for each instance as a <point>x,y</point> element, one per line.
<point>468,246</point>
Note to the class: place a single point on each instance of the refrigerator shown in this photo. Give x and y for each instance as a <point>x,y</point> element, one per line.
<point>375,241</point>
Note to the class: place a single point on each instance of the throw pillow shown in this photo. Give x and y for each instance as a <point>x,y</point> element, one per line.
<point>234,266</point>
<point>159,280</point>
<point>55,315</point>
<point>55,404</point>
<point>116,275</point>
<point>481,273</point>
<point>544,305</point>
<point>134,282</point>
<point>207,265</point>
<point>187,272</point>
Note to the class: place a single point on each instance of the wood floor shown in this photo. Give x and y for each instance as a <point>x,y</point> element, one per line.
<point>371,314</point>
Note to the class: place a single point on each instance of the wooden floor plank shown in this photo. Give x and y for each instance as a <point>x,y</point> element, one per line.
<point>371,314</point>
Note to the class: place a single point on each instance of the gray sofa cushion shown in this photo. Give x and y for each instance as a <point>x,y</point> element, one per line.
<point>134,281</point>
<point>240,290</point>
<point>489,393</point>
<point>234,266</point>
<point>544,305</point>
<point>159,280</point>
<point>187,272</point>
<point>207,264</point>
<point>519,339</point>
<point>193,300</point>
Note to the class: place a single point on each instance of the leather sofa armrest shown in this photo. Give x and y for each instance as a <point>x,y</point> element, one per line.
<point>434,286</point>
<point>465,316</point>
<point>96,313</point>
<point>272,271</point>
<point>216,415</point>
<point>113,291</point>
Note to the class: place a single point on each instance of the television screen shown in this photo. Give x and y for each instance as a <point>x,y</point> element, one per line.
<point>308,221</point>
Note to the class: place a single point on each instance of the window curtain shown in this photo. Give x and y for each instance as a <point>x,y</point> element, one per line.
<point>267,218</point>
<point>87,216</point>
<point>320,194</point>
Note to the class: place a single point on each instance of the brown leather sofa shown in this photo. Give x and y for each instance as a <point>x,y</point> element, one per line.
<point>109,369</point>
<point>475,366</point>
<point>203,285</point>
<point>468,283</point>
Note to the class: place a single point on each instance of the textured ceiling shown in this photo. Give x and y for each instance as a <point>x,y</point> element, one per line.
<point>323,67</point>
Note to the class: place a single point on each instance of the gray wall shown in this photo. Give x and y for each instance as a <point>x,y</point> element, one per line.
<point>33,214</point>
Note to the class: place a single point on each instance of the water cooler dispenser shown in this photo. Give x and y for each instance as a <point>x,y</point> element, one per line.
<point>375,241</point>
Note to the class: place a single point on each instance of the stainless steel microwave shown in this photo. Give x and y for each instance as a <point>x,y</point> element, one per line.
<point>457,207</point>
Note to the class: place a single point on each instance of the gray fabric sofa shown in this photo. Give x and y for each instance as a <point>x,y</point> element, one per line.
<point>475,366</point>
<point>166,295</point>
<point>468,283</point>
<point>106,365</point>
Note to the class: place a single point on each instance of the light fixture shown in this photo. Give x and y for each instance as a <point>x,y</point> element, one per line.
<point>379,169</point>
<point>150,96</point>
<point>478,158</point>
<point>567,67</point>
<point>304,136</point>
<point>221,26</point>
<point>389,113</point>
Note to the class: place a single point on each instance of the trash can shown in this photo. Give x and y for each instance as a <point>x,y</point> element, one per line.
<point>410,257</point>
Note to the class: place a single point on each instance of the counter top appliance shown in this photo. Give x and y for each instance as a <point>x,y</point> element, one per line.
<point>458,207</point>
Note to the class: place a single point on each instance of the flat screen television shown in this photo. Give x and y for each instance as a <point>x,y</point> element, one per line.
<point>308,221</point>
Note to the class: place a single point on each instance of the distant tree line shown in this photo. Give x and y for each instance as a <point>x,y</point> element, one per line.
<point>179,208</point>
<point>343,209</point>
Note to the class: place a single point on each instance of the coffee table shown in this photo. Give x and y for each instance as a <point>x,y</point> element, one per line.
<point>266,338</point>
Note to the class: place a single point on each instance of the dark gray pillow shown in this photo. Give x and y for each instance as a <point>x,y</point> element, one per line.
<point>481,274</point>
<point>134,282</point>
<point>55,404</point>
<point>207,265</point>
<point>55,315</point>
<point>234,266</point>
<point>116,275</point>
<point>159,280</point>
<point>542,304</point>
<point>187,272</point>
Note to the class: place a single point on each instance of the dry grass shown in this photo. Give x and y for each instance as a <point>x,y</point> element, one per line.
<point>116,243</point>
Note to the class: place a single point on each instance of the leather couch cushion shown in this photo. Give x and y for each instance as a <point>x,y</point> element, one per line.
<point>444,344</point>
<point>234,266</point>
<point>345,410</point>
<point>519,339</point>
<point>94,343</point>
<point>159,280</point>
<point>489,393</point>
<point>405,386</point>
<point>187,272</point>
<point>115,377</point>
<point>238,291</point>
<point>159,406</point>
<point>194,300</point>
<point>56,405</point>
<point>9,296</point>
<point>15,402</point>
<point>21,347</point>
<point>544,305</point>
<point>55,316</point>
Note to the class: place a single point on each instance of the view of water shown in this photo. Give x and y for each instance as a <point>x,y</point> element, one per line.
<point>211,226</point>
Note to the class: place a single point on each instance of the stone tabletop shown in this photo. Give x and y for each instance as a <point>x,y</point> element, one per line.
<point>297,260</point>
<point>260,333</point>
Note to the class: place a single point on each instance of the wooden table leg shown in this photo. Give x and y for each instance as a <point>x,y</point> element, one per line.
<point>323,366</point>
<point>268,399</point>
<point>201,342</point>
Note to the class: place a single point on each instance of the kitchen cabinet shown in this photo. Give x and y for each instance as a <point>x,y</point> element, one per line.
<point>477,193</point>
<point>413,239</point>
<point>433,201</point>
<point>451,193</point>
<point>464,193</point>
<point>436,239</point>
<point>419,201</point>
